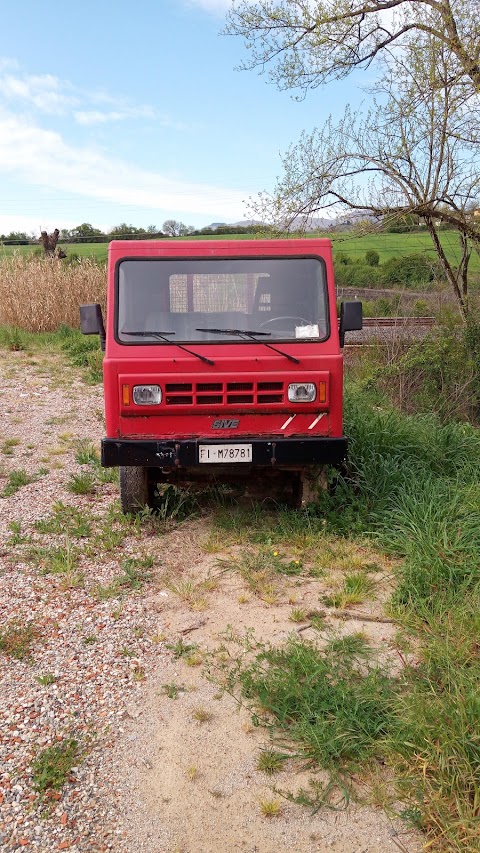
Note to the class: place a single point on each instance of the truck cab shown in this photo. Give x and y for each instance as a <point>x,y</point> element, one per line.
<point>223,363</point>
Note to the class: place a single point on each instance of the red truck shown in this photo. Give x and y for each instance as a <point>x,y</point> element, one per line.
<point>222,362</point>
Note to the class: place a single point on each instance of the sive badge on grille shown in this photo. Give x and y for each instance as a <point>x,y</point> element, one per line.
<point>225,424</point>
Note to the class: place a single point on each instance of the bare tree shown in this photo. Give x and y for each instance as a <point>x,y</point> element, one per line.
<point>305,43</point>
<point>415,152</point>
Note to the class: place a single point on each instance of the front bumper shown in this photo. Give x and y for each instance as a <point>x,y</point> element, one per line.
<point>183,453</point>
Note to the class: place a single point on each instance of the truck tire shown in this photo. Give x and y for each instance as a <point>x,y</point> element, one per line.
<point>135,491</point>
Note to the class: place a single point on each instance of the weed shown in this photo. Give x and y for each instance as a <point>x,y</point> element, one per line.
<point>194,659</point>
<point>17,638</point>
<point>181,649</point>
<point>135,571</point>
<point>90,639</point>
<point>86,453</point>
<point>52,766</point>
<point>201,715</point>
<point>56,559</point>
<point>134,576</point>
<point>355,589</point>
<point>192,773</point>
<point>15,340</point>
<point>139,673</point>
<point>214,543</point>
<point>84,352</point>
<point>333,794</point>
<point>289,567</point>
<point>72,580</point>
<point>270,762</point>
<point>126,652</point>
<point>171,690</point>
<point>65,519</point>
<point>81,484</point>
<point>106,475</point>
<point>270,808</point>
<point>413,488</point>
<point>17,537</point>
<point>298,615</point>
<point>175,503</point>
<point>316,619</point>
<point>16,480</point>
<point>46,679</point>
<point>333,705</point>
<point>8,445</point>
<point>110,533</point>
<point>258,571</point>
<point>58,420</point>
<point>192,592</point>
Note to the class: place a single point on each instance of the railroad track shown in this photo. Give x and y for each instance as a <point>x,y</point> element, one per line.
<point>399,322</point>
<point>383,330</point>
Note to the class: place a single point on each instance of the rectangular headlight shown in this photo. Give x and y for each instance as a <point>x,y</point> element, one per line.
<point>302,392</point>
<point>147,395</point>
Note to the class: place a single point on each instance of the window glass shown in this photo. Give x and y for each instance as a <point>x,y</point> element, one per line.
<point>285,298</point>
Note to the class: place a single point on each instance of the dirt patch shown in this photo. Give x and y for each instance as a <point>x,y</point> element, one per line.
<point>201,789</point>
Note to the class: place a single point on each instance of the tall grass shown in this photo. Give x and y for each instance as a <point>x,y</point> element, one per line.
<point>40,294</point>
<point>413,487</point>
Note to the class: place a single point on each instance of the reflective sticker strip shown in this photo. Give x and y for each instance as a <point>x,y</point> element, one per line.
<point>315,422</point>
<point>288,421</point>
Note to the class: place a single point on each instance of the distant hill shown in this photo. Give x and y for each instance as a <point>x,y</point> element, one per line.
<point>311,223</point>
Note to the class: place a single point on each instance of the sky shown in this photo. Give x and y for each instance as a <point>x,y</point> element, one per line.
<point>135,112</point>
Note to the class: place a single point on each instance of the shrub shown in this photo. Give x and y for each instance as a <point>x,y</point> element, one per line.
<point>342,258</point>
<point>411,270</point>
<point>358,275</point>
<point>372,258</point>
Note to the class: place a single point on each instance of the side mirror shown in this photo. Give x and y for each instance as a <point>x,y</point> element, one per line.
<point>91,322</point>
<point>351,319</point>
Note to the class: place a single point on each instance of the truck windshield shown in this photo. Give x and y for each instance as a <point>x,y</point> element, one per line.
<point>284,297</point>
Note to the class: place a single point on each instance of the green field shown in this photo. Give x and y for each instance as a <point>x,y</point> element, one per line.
<point>397,245</point>
<point>387,246</point>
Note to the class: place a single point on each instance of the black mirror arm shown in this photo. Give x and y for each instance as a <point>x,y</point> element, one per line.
<point>102,333</point>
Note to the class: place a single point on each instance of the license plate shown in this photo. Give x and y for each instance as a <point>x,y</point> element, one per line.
<point>225,453</point>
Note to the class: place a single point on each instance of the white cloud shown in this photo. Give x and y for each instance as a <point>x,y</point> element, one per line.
<point>43,158</point>
<point>89,117</point>
<point>44,91</point>
<point>49,94</point>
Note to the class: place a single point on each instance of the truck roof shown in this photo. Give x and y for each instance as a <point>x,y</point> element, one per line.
<point>229,248</point>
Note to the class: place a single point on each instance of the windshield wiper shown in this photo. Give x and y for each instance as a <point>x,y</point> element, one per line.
<point>252,336</point>
<point>163,337</point>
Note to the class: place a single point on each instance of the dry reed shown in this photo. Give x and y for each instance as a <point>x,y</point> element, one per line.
<point>40,294</point>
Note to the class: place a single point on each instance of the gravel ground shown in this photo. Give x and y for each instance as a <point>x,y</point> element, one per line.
<point>86,652</point>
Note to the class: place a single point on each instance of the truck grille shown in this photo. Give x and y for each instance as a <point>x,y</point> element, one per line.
<point>223,393</point>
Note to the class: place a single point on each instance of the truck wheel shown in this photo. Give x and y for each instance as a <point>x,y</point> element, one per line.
<point>135,491</point>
